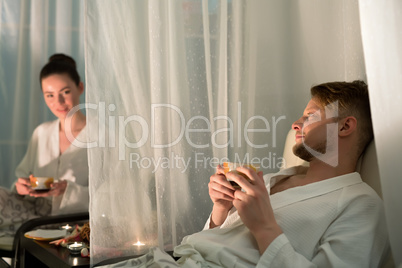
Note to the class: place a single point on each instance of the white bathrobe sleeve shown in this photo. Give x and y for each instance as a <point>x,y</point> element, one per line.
<point>26,166</point>
<point>348,242</point>
<point>43,159</point>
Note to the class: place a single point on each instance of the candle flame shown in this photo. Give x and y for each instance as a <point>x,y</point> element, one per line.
<point>66,227</point>
<point>76,244</point>
<point>139,243</point>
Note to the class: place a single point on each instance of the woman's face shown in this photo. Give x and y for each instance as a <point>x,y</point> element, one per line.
<point>61,94</point>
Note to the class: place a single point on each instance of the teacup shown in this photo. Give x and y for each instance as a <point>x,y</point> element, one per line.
<point>41,183</point>
<point>231,167</point>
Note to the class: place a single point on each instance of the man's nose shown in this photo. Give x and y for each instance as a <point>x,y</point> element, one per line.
<point>297,125</point>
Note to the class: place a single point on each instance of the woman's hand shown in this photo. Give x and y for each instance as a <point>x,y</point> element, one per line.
<point>57,188</point>
<point>221,193</point>
<point>254,207</point>
<point>23,186</point>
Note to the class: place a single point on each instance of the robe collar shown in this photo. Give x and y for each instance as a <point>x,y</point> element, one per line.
<point>299,193</point>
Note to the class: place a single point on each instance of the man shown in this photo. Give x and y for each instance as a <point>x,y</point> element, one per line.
<point>345,226</point>
<point>317,216</point>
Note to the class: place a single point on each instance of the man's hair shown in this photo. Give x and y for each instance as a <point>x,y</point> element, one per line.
<point>353,100</point>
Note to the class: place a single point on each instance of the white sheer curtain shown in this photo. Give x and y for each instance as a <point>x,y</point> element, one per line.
<point>31,31</point>
<point>174,81</point>
<point>382,41</point>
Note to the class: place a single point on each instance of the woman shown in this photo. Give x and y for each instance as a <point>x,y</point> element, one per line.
<point>51,152</point>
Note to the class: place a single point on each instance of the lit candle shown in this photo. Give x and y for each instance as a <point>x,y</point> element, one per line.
<point>139,243</point>
<point>76,244</point>
<point>75,248</point>
<point>139,247</point>
<point>66,227</point>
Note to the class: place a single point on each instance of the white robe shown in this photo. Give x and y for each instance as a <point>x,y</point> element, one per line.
<point>43,159</point>
<point>337,222</point>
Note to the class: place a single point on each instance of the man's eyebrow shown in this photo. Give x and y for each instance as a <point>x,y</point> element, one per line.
<point>312,111</point>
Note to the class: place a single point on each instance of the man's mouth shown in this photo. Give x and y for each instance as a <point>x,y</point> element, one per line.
<point>299,136</point>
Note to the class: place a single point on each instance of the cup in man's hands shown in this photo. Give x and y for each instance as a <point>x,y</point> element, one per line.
<point>41,183</point>
<point>231,167</point>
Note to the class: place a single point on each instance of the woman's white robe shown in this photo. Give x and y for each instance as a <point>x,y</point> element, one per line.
<point>43,158</point>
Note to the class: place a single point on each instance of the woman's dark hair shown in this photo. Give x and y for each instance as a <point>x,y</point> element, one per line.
<point>60,64</point>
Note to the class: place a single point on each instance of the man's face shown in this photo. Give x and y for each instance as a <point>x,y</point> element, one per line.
<point>311,131</point>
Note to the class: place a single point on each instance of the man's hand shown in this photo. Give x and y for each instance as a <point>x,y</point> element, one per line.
<point>254,207</point>
<point>222,195</point>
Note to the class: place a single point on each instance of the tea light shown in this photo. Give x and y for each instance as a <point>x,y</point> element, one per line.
<point>66,227</point>
<point>138,247</point>
<point>75,248</point>
<point>138,244</point>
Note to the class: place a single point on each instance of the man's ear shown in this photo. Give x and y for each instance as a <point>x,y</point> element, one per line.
<point>347,126</point>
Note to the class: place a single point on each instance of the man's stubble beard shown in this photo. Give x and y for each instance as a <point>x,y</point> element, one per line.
<point>301,151</point>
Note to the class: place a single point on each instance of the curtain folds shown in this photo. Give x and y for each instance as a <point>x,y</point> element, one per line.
<point>175,87</point>
<point>31,31</point>
<point>382,43</point>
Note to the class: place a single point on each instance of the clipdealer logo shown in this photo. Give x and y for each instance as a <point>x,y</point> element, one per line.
<point>200,160</point>
<point>331,154</point>
<point>185,130</point>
